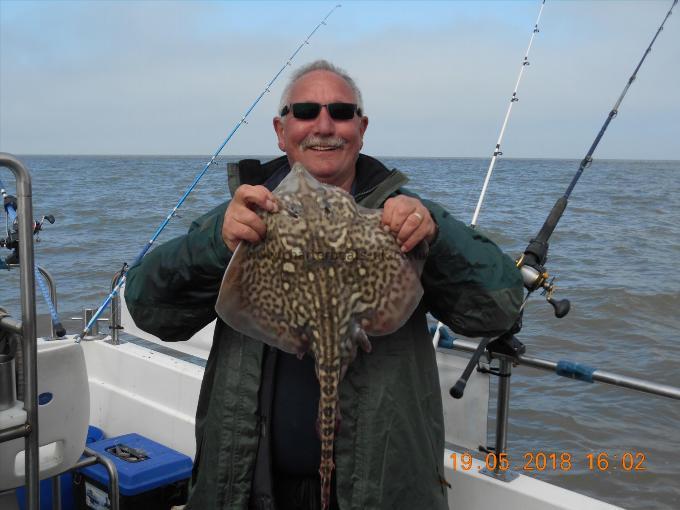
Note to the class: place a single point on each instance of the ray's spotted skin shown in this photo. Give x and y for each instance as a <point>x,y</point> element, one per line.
<point>325,276</point>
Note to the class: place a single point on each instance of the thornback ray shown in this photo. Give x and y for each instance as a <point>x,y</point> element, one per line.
<point>325,276</point>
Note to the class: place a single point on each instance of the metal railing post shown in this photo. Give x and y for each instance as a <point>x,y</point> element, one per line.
<point>28,325</point>
<point>114,491</point>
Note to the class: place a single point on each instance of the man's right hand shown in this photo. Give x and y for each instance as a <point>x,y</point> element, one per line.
<point>241,223</point>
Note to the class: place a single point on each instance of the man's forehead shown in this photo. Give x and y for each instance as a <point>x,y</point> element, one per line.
<point>318,82</point>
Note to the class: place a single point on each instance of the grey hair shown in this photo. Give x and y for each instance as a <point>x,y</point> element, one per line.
<point>320,65</point>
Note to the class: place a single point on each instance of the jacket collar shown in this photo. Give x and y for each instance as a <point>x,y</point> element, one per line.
<point>374,183</point>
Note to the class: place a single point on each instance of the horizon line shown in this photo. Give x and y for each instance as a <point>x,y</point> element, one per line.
<point>269,156</point>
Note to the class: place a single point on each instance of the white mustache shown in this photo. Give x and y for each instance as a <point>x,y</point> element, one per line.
<point>334,142</point>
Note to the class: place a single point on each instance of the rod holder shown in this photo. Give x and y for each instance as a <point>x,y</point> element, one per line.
<point>88,314</point>
<point>8,387</point>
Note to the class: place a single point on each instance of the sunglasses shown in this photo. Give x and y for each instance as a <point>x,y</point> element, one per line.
<point>309,111</point>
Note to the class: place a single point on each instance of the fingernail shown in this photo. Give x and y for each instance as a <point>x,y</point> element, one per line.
<point>271,205</point>
<point>386,228</point>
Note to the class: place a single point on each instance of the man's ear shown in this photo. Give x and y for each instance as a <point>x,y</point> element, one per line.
<point>364,125</point>
<point>279,128</point>
<point>362,129</point>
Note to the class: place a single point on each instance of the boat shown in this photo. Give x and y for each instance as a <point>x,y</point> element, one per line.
<point>128,373</point>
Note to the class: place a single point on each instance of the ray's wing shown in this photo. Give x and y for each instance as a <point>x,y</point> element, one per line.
<point>387,280</point>
<point>251,306</point>
<point>257,293</point>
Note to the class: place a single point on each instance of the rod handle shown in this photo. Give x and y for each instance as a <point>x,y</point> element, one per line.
<point>457,389</point>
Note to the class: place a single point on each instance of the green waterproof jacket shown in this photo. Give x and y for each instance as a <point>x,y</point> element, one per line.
<point>390,448</point>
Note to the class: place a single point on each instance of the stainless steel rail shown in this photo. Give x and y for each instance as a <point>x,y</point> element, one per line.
<point>94,458</point>
<point>110,467</point>
<point>602,376</point>
<point>28,325</point>
<point>56,493</point>
<point>14,432</point>
<point>573,370</point>
<point>12,325</point>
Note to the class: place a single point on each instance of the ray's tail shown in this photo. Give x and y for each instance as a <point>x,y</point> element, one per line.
<point>329,377</point>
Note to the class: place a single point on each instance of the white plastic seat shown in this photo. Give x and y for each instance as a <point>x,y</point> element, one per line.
<point>63,415</point>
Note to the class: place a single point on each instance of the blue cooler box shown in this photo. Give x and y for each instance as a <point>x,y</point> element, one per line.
<point>150,476</point>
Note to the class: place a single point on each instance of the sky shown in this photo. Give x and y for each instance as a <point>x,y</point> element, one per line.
<point>175,77</point>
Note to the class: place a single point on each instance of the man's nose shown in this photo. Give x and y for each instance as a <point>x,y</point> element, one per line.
<point>324,123</point>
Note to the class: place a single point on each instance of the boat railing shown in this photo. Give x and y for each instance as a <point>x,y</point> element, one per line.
<point>92,457</point>
<point>27,330</point>
<point>446,342</point>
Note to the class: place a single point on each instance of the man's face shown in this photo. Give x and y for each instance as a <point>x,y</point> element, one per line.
<point>328,148</point>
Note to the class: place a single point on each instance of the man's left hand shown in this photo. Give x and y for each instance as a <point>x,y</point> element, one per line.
<point>409,220</point>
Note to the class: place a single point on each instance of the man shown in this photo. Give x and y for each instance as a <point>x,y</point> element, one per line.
<point>256,442</point>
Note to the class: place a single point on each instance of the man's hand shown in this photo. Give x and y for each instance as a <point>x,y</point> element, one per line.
<point>410,220</point>
<point>241,223</point>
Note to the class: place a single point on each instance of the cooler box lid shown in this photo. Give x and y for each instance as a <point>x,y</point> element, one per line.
<point>142,464</point>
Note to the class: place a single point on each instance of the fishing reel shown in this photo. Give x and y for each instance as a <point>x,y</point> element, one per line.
<point>38,225</point>
<point>11,240</point>
<point>535,276</point>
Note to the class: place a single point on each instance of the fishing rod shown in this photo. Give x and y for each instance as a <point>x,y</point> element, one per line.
<point>532,262</point>
<point>497,148</point>
<point>513,99</point>
<point>11,242</point>
<point>123,273</point>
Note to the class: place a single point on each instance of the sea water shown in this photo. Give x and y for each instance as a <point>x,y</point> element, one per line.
<point>615,254</point>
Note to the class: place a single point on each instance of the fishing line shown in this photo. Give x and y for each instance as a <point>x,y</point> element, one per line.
<point>497,149</point>
<point>531,263</point>
<point>536,253</point>
<point>513,99</point>
<point>10,210</point>
<point>212,161</point>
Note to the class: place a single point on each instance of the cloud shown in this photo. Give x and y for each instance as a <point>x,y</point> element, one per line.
<point>175,77</point>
